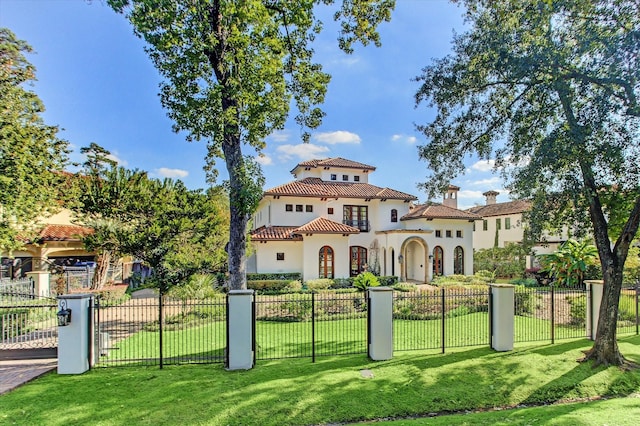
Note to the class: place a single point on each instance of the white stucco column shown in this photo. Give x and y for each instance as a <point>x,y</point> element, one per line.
<point>41,282</point>
<point>595,289</point>
<point>503,316</point>
<point>74,339</point>
<point>380,323</point>
<point>240,330</point>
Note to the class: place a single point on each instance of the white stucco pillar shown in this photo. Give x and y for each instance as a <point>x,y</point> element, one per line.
<point>240,330</point>
<point>74,339</point>
<point>595,289</point>
<point>41,282</point>
<point>380,323</point>
<point>503,316</point>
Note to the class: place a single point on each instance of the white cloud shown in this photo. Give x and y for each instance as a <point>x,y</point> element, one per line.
<point>411,140</point>
<point>264,160</point>
<point>490,182</point>
<point>469,195</point>
<point>116,157</point>
<point>166,172</point>
<point>303,151</point>
<point>483,165</point>
<point>280,136</point>
<point>339,136</point>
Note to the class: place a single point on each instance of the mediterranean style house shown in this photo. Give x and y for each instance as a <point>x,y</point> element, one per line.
<point>59,241</point>
<point>330,222</point>
<point>502,223</point>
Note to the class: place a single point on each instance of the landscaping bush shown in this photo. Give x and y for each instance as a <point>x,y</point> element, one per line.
<point>319,284</point>
<point>286,276</point>
<point>405,287</point>
<point>507,262</point>
<point>294,286</point>
<point>14,322</point>
<point>388,281</point>
<point>340,283</point>
<point>199,287</point>
<point>114,295</point>
<point>268,285</point>
<point>577,310</point>
<point>627,308</point>
<point>365,280</point>
<point>525,301</point>
<point>525,282</point>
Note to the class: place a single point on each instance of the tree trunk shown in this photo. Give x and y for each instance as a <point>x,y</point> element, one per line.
<point>102,268</point>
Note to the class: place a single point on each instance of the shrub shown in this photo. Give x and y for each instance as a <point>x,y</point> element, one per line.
<point>525,282</point>
<point>509,261</point>
<point>319,284</point>
<point>627,308</point>
<point>577,310</point>
<point>405,287</point>
<point>294,286</point>
<point>388,281</point>
<point>524,301</point>
<point>113,296</point>
<point>267,285</point>
<point>365,280</point>
<point>286,276</point>
<point>340,283</point>
<point>458,312</point>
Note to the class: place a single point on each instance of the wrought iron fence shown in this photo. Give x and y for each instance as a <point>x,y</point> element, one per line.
<point>441,318</point>
<point>27,322</point>
<point>310,324</point>
<point>22,287</point>
<point>161,331</point>
<point>629,310</point>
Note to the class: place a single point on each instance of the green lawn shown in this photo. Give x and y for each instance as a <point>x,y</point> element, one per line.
<point>334,390</point>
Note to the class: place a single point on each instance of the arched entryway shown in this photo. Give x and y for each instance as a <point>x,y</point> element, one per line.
<point>414,258</point>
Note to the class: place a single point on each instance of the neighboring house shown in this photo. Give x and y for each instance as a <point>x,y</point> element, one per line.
<point>59,241</point>
<point>503,223</point>
<point>332,223</point>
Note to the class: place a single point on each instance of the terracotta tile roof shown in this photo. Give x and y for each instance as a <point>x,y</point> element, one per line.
<point>63,233</point>
<point>321,225</point>
<point>316,187</point>
<point>500,209</point>
<point>275,233</point>
<point>335,162</point>
<point>438,211</point>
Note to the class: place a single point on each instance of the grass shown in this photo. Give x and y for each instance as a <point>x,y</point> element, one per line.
<point>333,390</point>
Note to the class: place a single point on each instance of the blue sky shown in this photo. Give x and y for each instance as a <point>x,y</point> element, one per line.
<point>99,86</point>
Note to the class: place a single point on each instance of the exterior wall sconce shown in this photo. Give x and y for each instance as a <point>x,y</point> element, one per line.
<point>401,258</point>
<point>430,257</point>
<point>64,314</point>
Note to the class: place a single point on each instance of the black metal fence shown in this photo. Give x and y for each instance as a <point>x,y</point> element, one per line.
<point>27,322</point>
<point>159,331</point>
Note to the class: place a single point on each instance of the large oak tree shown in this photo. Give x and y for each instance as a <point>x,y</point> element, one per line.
<point>550,89</point>
<point>232,69</point>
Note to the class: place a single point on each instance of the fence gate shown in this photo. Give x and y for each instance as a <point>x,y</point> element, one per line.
<point>29,326</point>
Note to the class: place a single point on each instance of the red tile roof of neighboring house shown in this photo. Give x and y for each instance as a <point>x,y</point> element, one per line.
<point>500,209</point>
<point>316,187</point>
<point>438,211</point>
<point>275,233</point>
<point>321,225</point>
<point>63,233</point>
<point>335,162</point>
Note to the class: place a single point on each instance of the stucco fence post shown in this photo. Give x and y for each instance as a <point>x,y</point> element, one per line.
<point>595,289</point>
<point>40,282</point>
<point>74,339</point>
<point>240,330</point>
<point>380,323</point>
<point>502,309</point>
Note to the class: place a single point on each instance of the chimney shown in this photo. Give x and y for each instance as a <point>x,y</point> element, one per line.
<point>491,197</point>
<point>451,197</point>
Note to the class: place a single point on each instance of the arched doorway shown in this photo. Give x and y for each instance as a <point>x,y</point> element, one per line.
<point>413,266</point>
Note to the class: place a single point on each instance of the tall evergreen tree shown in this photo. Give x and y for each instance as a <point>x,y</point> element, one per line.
<point>31,154</point>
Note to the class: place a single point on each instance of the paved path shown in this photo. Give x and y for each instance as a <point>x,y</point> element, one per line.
<point>14,373</point>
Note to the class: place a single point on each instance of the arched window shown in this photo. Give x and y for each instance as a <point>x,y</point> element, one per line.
<point>325,262</point>
<point>458,260</point>
<point>358,260</point>
<point>438,259</point>
<point>394,215</point>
